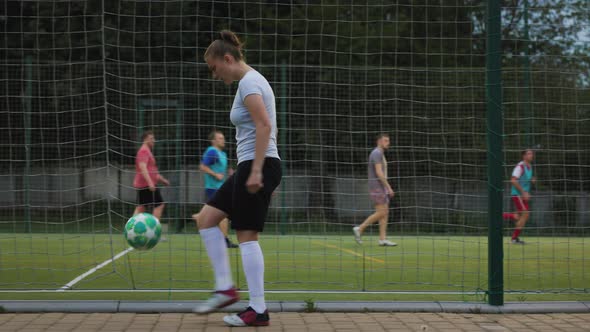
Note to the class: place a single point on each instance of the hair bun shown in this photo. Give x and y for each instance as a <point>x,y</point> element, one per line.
<point>231,38</point>
<point>227,43</point>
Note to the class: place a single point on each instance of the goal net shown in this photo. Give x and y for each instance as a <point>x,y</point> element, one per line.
<point>81,80</point>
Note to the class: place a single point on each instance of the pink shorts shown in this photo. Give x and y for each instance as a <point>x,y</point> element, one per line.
<point>520,203</point>
<point>379,197</point>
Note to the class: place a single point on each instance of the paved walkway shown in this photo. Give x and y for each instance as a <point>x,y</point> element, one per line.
<point>291,321</point>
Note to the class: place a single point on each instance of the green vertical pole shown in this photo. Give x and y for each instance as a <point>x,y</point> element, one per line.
<point>527,80</point>
<point>179,116</point>
<point>283,140</point>
<point>27,114</point>
<point>528,112</point>
<point>107,144</point>
<point>495,156</point>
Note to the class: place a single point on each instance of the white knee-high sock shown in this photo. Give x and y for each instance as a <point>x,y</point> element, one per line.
<point>253,262</point>
<point>217,250</point>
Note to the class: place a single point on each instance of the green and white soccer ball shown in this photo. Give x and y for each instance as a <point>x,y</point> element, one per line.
<point>143,231</point>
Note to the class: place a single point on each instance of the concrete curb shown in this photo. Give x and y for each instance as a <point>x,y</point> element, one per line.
<point>276,306</point>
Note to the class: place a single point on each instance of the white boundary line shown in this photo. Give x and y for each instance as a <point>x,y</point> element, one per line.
<point>92,270</point>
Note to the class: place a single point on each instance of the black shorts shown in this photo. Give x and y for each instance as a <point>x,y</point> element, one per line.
<point>149,198</point>
<point>245,210</point>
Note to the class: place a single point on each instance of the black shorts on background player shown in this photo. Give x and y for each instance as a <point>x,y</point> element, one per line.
<point>149,198</point>
<point>245,210</point>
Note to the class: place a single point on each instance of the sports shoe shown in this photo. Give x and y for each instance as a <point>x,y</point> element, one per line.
<point>357,234</point>
<point>218,300</point>
<point>248,317</point>
<point>230,244</point>
<point>387,243</point>
<point>517,241</point>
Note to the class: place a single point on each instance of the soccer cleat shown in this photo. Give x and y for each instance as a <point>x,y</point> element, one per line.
<point>248,317</point>
<point>218,300</point>
<point>230,244</point>
<point>517,241</point>
<point>387,243</point>
<point>357,235</point>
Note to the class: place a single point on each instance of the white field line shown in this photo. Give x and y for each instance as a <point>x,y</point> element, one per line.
<point>92,270</point>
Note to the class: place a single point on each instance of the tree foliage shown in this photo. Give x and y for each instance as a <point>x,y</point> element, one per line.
<point>354,68</point>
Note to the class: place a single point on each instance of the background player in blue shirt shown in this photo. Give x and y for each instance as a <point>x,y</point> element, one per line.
<point>214,166</point>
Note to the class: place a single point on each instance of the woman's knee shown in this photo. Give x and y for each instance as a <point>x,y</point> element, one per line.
<point>382,212</point>
<point>208,217</point>
<point>196,219</point>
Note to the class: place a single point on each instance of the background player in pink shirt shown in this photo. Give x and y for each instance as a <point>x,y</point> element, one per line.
<point>147,177</point>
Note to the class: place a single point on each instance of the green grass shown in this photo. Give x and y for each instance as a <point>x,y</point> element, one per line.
<point>555,265</point>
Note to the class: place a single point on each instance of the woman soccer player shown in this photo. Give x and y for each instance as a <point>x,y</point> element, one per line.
<point>245,196</point>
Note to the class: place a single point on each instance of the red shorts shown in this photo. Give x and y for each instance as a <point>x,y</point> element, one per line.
<point>520,203</point>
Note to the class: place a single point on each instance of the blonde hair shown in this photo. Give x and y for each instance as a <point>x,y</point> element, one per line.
<point>228,43</point>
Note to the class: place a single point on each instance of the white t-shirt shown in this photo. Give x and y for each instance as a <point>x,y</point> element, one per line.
<point>253,83</point>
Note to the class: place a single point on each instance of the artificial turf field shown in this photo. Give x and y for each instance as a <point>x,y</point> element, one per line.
<point>438,267</point>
